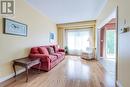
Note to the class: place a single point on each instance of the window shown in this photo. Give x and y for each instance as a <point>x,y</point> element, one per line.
<point>79,40</point>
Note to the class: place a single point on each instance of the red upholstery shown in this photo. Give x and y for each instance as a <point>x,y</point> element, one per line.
<point>52,58</point>
<point>34,50</point>
<point>48,61</point>
<point>61,53</point>
<point>55,48</point>
<point>43,57</point>
<point>61,50</point>
<point>58,55</point>
<point>43,50</point>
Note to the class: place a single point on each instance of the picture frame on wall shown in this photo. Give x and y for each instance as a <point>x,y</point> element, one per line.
<point>51,37</point>
<point>12,27</point>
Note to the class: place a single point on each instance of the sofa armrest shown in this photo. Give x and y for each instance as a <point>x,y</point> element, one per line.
<point>43,57</point>
<point>61,50</point>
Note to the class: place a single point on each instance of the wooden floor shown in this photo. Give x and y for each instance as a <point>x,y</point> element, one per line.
<point>109,65</point>
<point>71,72</point>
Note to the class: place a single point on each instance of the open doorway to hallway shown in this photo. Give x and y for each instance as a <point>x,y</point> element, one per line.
<point>108,45</point>
<point>108,40</point>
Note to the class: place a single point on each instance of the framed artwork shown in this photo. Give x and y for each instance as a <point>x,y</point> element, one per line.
<point>51,37</point>
<point>14,28</point>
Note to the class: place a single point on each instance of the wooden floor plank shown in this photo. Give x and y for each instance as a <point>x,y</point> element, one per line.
<point>71,72</point>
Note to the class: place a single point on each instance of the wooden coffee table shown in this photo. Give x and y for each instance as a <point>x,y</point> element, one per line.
<point>26,63</point>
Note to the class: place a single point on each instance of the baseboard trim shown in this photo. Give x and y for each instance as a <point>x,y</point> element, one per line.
<point>11,75</point>
<point>118,83</point>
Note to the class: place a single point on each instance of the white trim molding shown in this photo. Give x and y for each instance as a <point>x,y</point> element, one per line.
<point>11,75</point>
<point>112,15</point>
<point>118,83</point>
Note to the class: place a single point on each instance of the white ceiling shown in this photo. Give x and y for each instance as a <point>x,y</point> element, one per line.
<point>63,11</point>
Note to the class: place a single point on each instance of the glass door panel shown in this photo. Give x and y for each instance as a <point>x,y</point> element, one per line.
<point>110,43</point>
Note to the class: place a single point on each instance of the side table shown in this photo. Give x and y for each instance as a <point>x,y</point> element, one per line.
<point>26,63</point>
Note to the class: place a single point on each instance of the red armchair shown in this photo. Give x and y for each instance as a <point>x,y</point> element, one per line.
<point>48,61</point>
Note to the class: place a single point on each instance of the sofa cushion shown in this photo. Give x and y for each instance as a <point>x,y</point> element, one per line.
<point>50,50</point>
<point>55,48</point>
<point>62,53</point>
<point>52,58</point>
<point>34,50</point>
<point>58,55</point>
<point>43,50</point>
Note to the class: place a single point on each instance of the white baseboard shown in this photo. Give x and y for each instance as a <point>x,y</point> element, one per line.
<point>11,75</point>
<point>118,83</point>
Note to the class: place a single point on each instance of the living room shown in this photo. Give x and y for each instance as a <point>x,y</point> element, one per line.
<point>52,32</point>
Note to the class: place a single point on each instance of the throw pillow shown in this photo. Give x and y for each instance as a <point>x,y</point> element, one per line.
<point>34,50</point>
<point>55,48</point>
<point>50,50</point>
<point>43,50</point>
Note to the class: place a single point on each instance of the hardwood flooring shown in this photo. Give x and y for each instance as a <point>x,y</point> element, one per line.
<point>109,65</point>
<point>71,72</point>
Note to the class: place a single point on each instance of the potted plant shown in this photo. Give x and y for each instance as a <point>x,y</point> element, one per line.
<point>66,50</point>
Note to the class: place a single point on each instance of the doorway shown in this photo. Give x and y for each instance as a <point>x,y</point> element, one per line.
<point>108,40</point>
<point>110,44</point>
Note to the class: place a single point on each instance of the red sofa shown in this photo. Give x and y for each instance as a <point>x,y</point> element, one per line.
<point>48,61</point>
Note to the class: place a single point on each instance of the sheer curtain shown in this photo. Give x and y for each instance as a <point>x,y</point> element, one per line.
<point>79,40</point>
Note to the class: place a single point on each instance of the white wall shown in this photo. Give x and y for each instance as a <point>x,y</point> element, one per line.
<point>124,39</point>
<point>124,46</point>
<point>13,47</point>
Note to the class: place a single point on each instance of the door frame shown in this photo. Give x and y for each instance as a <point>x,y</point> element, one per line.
<point>117,22</point>
<point>98,43</point>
